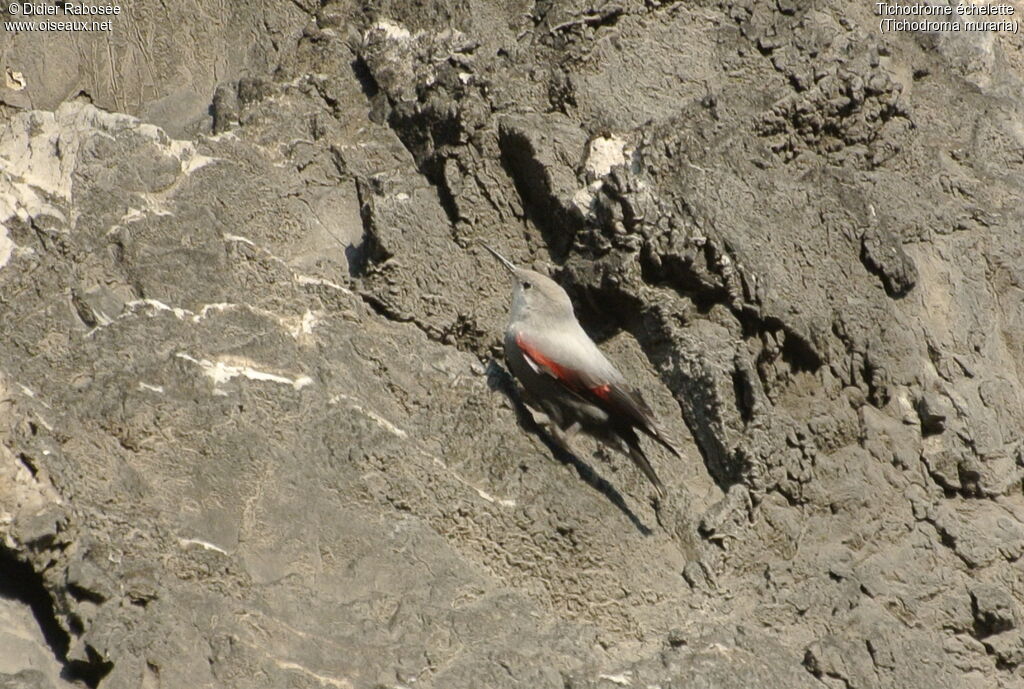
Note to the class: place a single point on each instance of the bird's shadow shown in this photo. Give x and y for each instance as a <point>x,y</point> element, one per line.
<point>500,379</point>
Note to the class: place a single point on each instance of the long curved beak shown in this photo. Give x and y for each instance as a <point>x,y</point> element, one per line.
<point>504,261</point>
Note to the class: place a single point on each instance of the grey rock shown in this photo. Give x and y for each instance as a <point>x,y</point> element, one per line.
<point>882,254</point>
<point>995,610</point>
<point>544,153</point>
<point>26,679</point>
<point>225,108</point>
<point>216,48</point>
<point>25,660</point>
<point>252,432</point>
<point>933,410</point>
<point>1007,647</point>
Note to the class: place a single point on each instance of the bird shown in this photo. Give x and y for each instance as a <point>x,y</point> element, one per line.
<point>567,376</point>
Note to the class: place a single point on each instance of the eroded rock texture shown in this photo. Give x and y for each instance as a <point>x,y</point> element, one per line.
<point>253,428</point>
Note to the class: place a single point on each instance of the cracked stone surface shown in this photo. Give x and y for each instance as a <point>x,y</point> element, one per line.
<point>254,425</point>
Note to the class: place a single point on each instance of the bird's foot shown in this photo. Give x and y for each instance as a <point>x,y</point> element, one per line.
<point>564,436</point>
<point>540,418</point>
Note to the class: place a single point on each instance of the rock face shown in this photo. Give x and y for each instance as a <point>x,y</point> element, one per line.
<point>254,433</point>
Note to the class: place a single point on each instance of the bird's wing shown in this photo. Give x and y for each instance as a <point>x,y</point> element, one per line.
<point>608,392</point>
<point>548,365</point>
<point>628,403</point>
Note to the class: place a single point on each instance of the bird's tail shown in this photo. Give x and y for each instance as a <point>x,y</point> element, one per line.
<point>657,434</point>
<point>640,459</point>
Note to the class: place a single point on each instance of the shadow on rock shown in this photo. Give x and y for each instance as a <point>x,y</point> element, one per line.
<point>500,379</point>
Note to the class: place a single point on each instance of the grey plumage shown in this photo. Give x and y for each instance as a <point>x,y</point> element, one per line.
<point>567,376</point>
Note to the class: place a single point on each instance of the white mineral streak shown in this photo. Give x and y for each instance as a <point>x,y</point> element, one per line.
<point>39,152</point>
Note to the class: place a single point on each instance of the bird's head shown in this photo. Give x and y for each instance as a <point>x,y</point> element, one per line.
<point>535,295</point>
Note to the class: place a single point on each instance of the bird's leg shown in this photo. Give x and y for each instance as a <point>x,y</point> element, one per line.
<point>549,422</point>
<point>564,436</point>
<point>539,417</point>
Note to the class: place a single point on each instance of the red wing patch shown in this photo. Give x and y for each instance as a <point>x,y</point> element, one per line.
<point>620,402</point>
<point>564,374</point>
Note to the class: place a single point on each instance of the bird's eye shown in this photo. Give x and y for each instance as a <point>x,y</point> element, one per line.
<point>527,285</point>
